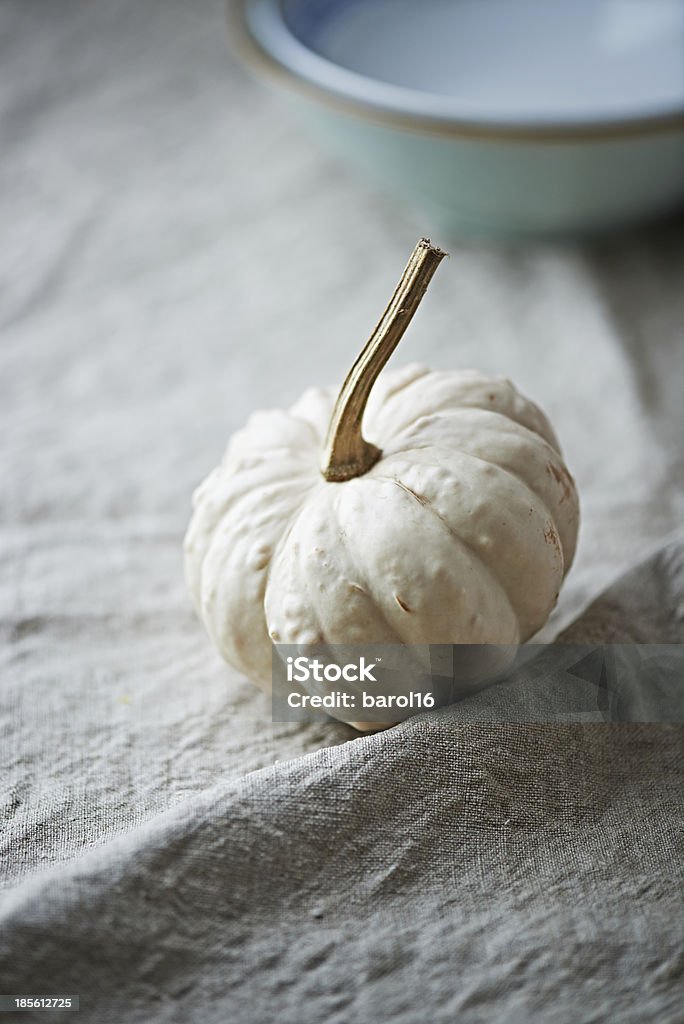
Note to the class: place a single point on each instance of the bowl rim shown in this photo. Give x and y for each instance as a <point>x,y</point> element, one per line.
<point>343,91</point>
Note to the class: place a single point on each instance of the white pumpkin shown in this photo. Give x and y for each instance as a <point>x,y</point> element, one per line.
<point>455,524</point>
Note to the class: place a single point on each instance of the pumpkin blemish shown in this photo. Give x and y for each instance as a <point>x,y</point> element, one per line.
<point>562,478</point>
<point>551,537</point>
<point>404,607</point>
<point>419,497</point>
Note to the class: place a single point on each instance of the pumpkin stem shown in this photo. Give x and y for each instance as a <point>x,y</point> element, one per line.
<point>347,453</point>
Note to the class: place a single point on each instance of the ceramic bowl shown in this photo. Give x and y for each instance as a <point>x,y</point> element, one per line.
<point>495,117</point>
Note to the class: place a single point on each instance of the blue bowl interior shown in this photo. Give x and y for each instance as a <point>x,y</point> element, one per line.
<point>535,61</point>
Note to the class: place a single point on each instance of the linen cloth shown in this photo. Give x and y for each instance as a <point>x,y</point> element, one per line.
<point>175,254</point>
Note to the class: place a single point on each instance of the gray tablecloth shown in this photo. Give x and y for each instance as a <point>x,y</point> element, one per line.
<point>175,253</point>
